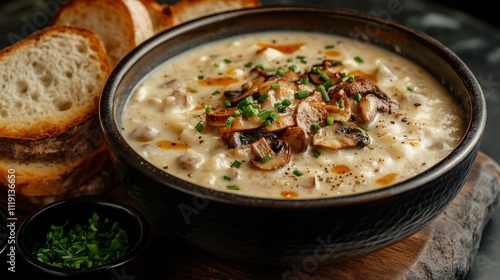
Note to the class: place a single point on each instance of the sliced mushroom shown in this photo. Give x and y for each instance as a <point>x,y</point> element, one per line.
<point>281,86</point>
<point>368,106</point>
<point>262,149</point>
<point>232,138</point>
<point>311,110</point>
<point>219,118</point>
<point>341,136</point>
<point>247,89</point>
<point>244,123</point>
<point>297,138</point>
<point>281,123</point>
<point>282,156</point>
<point>361,85</point>
<point>339,107</point>
<point>332,68</point>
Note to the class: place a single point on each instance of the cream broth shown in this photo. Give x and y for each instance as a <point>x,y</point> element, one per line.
<point>401,123</point>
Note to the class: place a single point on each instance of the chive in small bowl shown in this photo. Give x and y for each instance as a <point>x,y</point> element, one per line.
<point>84,237</point>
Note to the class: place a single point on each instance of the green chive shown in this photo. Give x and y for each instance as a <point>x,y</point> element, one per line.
<point>297,173</point>
<point>265,159</point>
<point>304,81</point>
<point>322,90</point>
<point>292,67</point>
<point>259,66</point>
<point>216,65</point>
<point>302,94</point>
<point>342,121</point>
<point>208,109</point>
<point>200,77</point>
<point>281,72</point>
<point>199,127</point>
<point>263,97</point>
<point>357,97</point>
<point>341,103</point>
<point>227,61</point>
<point>316,153</point>
<point>248,65</point>
<point>236,164</point>
<point>359,59</point>
<point>350,79</point>
<point>325,77</point>
<point>409,88</point>
<point>227,178</point>
<point>266,123</point>
<point>215,92</point>
<point>264,114</point>
<point>330,120</point>
<point>329,46</point>
<point>228,103</point>
<point>273,86</point>
<point>248,100</point>
<point>315,126</point>
<point>286,102</point>
<point>233,188</point>
<point>237,112</point>
<point>229,121</point>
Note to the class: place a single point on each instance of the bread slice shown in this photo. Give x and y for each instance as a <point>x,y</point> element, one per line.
<point>160,15</point>
<point>121,24</point>
<point>53,178</point>
<point>51,83</point>
<point>186,10</point>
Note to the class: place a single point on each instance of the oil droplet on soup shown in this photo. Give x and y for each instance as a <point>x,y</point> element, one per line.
<point>387,179</point>
<point>166,144</point>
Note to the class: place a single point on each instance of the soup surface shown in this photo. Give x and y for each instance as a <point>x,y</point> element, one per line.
<point>291,115</point>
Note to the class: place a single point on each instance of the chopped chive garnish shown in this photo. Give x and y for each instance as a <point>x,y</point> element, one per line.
<point>265,159</point>
<point>273,86</point>
<point>281,72</point>
<point>316,153</point>
<point>409,88</point>
<point>329,46</point>
<point>269,69</point>
<point>322,90</point>
<point>192,90</point>
<point>200,77</point>
<point>330,120</point>
<point>227,103</point>
<point>341,103</point>
<point>302,94</point>
<point>248,65</point>
<point>342,121</point>
<point>282,109</point>
<point>259,66</point>
<point>300,57</point>
<point>237,112</point>
<point>266,123</point>
<point>263,97</point>
<point>359,59</point>
<point>350,78</point>
<point>249,110</point>
<point>227,178</point>
<point>289,59</point>
<point>227,61</point>
<point>304,81</point>
<point>236,164</point>
<point>328,83</point>
<point>216,65</point>
<point>316,69</point>
<point>315,126</point>
<point>286,102</point>
<point>229,121</point>
<point>208,109</point>
<point>215,92</point>
<point>273,116</point>
<point>248,100</point>
<point>264,114</point>
<point>292,67</point>
<point>297,173</point>
<point>325,77</point>
<point>233,188</point>
<point>357,97</point>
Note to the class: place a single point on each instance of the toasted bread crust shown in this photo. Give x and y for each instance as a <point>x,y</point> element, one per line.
<point>58,177</point>
<point>160,15</point>
<point>121,24</point>
<point>77,141</point>
<point>44,128</point>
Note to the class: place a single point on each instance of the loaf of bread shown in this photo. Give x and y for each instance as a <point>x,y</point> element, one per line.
<point>120,24</point>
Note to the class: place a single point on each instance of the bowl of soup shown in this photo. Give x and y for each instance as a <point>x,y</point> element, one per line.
<point>282,135</point>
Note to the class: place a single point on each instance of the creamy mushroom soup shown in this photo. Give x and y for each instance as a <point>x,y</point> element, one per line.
<point>291,115</point>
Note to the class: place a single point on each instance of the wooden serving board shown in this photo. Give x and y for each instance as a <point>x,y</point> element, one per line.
<point>445,249</point>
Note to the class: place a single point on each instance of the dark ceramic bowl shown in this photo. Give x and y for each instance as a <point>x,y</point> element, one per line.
<point>77,210</point>
<point>293,231</point>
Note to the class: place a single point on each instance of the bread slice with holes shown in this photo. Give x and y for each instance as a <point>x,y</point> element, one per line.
<point>50,88</point>
<point>121,24</point>
<point>160,15</point>
<point>186,10</point>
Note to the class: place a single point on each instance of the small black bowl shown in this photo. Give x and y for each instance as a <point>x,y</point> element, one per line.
<point>252,229</point>
<point>78,210</point>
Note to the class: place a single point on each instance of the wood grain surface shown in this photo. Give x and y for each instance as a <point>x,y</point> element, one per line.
<point>445,249</point>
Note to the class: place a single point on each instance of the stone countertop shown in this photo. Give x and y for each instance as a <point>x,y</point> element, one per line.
<point>476,42</point>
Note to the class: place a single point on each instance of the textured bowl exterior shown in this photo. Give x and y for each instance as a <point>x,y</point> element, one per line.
<point>293,231</point>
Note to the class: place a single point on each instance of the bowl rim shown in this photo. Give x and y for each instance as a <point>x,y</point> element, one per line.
<point>468,144</point>
<point>126,210</point>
